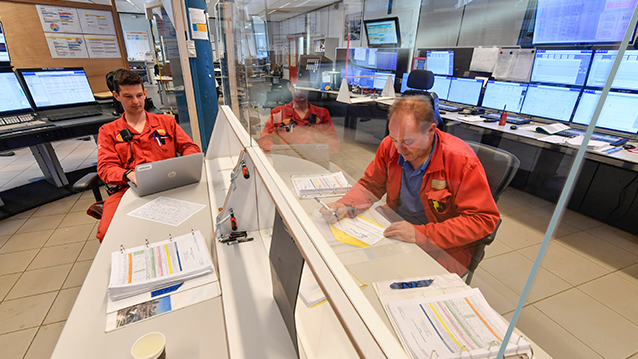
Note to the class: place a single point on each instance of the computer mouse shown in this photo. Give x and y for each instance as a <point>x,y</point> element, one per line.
<point>628,146</point>
<point>513,127</point>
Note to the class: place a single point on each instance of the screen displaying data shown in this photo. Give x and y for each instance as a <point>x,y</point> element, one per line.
<point>379,81</point>
<point>418,63</point>
<point>552,102</point>
<point>581,21</point>
<point>4,52</point>
<point>440,62</point>
<point>620,111</point>
<point>441,86</point>
<point>12,96</point>
<point>386,61</point>
<point>382,32</point>
<point>567,67</point>
<point>465,91</point>
<point>58,87</point>
<point>404,82</point>
<point>627,75</point>
<point>504,95</point>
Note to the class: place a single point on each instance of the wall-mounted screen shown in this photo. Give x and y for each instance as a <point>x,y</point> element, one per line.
<point>552,102</point>
<point>12,96</point>
<point>627,75</point>
<point>566,67</point>
<point>383,32</point>
<point>504,95</point>
<point>440,62</point>
<point>619,113</point>
<point>465,91</point>
<point>579,21</point>
<point>57,87</point>
<point>4,52</point>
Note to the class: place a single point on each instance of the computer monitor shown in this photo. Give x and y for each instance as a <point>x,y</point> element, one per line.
<point>386,60</point>
<point>619,113</point>
<point>627,75</point>
<point>504,95</point>
<point>383,32</point>
<point>566,67</point>
<point>57,87</point>
<point>465,91</point>
<point>441,86</point>
<point>418,63</point>
<point>440,62</point>
<point>379,81</point>
<point>366,82</point>
<point>552,102</point>
<point>13,100</point>
<point>592,21</point>
<point>4,52</point>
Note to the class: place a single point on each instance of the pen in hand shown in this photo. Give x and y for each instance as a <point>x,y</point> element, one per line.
<point>326,207</point>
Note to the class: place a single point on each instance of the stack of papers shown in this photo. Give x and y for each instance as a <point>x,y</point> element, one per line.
<point>158,265</point>
<point>320,185</point>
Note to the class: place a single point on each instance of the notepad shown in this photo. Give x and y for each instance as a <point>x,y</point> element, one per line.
<point>321,185</point>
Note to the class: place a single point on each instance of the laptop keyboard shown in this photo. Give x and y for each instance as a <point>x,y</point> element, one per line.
<point>21,122</point>
<point>71,115</point>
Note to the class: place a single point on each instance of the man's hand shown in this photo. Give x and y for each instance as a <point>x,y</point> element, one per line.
<point>403,230</point>
<point>132,177</point>
<point>335,208</point>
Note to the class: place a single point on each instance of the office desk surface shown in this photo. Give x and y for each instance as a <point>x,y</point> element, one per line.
<point>197,331</point>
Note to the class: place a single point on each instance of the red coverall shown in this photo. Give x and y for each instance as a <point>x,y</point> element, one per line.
<point>455,180</point>
<point>113,154</point>
<point>322,130</point>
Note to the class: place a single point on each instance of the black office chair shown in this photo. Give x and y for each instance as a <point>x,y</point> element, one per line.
<point>500,167</point>
<point>423,80</point>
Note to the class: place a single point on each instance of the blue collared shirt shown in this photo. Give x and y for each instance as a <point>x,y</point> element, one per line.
<point>410,206</point>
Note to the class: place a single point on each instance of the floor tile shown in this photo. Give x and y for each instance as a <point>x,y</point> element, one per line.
<point>617,237</point>
<point>90,249</point>
<point>58,207</point>
<point>3,240</point>
<point>580,221</point>
<point>512,269</point>
<point>517,234</point>
<point>41,223</point>
<point>496,248</point>
<point>78,274</point>
<point>45,341</point>
<point>605,331</point>
<point>555,340</point>
<point>93,234</point>
<point>539,219</point>
<point>62,305</point>
<point>16,262</point>
<point>40,281</point>
<point>83,204</point>
<point>615,292</point>
<point>52,256</point>
<point>25,214</point>
<point>595,249</point>
<point>565,263</point>
<point>25,241</point>
<point>509,205</point>
<point>14,345</point>
<point>7,282</point>
<point>9,226</point>
<point>500,297</point>
<point>25,312</point>
<point>527,198</point>
<point>77,219</point>
<point>630,273</point>
<point>66,235</point>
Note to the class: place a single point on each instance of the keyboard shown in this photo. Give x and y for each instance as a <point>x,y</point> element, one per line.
<point>450,108</point>
<point>510,119</point>
<point>21,122</point>
<point>72,115</point>
<point>612,140</point>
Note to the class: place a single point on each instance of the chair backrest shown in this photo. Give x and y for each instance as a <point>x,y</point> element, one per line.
<point>423,80</point>
<point>500,166</point>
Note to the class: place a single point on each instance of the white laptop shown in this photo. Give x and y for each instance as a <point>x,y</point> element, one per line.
<point>167,174</point>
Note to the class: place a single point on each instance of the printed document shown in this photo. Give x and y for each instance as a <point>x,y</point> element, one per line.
<point>361,229</point>
<point>320,185</point>
<point>167,210</point>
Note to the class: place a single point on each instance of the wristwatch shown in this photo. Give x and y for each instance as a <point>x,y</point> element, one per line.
<point>126,174</point>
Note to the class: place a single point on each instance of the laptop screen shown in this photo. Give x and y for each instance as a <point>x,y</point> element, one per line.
<point>12,96</point>
<point>57,87</point>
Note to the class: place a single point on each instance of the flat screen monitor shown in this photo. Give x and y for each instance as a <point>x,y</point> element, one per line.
<point>61,87</point>
<point>566,67</point>
<point>4,52</point>
<point>12,97</point>
<point>440,62</point>
<point>418,63</point>
<point>465,91</point>
<point>386,60</point>
<point>441,86</point>
<point>627,75</point>
<point>578,21</point>
<point>404,82</point>
<point>504,95</point>
<point>552,102</point>
<point>619,113</point>
<point>383,32</point>
<point>362,56</point>
<point>379,81</point>
<point>366,82</point>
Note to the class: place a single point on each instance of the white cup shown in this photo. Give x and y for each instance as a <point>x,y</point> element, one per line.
<point>149,346</point>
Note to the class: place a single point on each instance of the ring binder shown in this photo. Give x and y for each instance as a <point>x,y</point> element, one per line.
<point>122,248</point>
<point>466,349</point>
<point>434,352</point>
<point>147,244</point>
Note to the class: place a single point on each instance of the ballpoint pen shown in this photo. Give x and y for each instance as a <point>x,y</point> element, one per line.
<point>326,207</point>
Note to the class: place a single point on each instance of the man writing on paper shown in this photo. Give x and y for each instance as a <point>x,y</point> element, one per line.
<point>299,122</point>
<point>433,180</point>
<point>152,138</point>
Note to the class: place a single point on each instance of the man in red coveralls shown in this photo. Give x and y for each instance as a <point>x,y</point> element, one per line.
<point>433,180</point>
<point>154,138</point>
<point>299,122</point>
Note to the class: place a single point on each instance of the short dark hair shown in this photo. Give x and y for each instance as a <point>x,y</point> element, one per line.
<point>126,77</point>
<point>419,106</point>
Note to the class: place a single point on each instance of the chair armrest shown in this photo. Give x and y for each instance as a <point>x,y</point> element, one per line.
<point>89,181</point>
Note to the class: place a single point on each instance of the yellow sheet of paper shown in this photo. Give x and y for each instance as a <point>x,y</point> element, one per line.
<point>344,237</point>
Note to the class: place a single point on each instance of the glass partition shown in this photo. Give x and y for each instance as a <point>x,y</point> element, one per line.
<point>445,142</point>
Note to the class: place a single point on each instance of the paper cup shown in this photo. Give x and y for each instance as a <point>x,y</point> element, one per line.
<point>150,346</point>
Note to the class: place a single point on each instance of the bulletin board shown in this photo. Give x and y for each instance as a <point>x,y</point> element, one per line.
<point>28,46</point>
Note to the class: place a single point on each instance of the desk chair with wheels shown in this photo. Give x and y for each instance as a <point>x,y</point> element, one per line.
<point>420,81</point>
<point>500,167</point>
